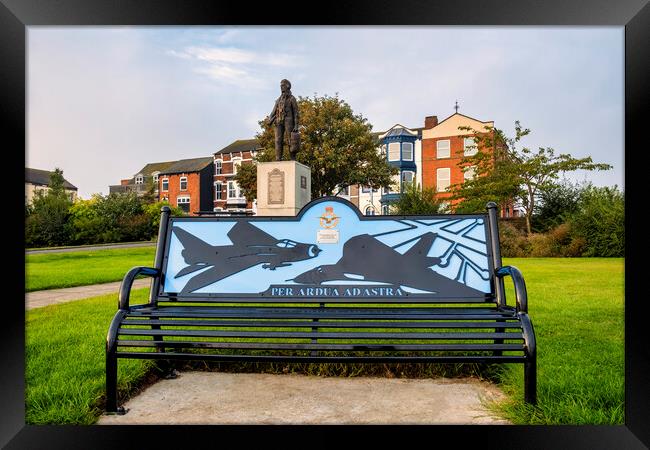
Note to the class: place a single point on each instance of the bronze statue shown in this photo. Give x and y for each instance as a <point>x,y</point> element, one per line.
<point>285,118</point>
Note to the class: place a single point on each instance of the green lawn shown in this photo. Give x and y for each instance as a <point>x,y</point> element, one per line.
<point>68,269</point>
<point>576,306</point>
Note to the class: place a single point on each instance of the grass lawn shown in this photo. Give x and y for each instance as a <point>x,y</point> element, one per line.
<point>576,306</point>
<point>68,269</point>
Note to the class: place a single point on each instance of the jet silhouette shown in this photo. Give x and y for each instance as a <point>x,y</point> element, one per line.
<point>251,246</point>
<point>368,259</point>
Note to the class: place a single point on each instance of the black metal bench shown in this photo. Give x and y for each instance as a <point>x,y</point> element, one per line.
<point>329,285</point>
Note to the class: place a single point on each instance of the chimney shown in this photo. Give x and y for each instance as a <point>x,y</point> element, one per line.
<point>430,122</point>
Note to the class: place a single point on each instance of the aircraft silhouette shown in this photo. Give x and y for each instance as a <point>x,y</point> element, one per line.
<point>368,259</point>
<point>251,246</point>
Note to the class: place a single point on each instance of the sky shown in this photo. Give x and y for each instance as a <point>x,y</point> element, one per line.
<point>104,101</point>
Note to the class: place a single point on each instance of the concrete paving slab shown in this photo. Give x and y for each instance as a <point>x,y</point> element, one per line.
<point>38,299</point>
<point>200,398</point>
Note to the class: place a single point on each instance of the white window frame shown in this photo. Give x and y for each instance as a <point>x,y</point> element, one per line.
<point>162,184</point>
<point>139,179</point>
<point>470,173</point>
<point>399,151</point>
<point>344,191</point>
<point>403,182</point>
<point>154,175</point>
<point>440,153</point>
<point>218,166</point>
<point>439,172</point>
<point>385,210</point>
<point>412,151</point>
<point>235,188</point>
<point>185,200</point>
<point>218,193</point>
<point>370,211</point>
<point>471,149</point>
<point>236,162</point>
<point>180,183</point>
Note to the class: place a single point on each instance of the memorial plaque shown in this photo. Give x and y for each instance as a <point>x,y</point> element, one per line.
<point>276,187</point>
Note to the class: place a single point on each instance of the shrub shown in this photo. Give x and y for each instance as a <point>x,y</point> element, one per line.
<point>513,241</point>
<point>600,221</point>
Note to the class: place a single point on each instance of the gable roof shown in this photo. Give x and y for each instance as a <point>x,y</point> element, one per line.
<point>155,167</point>
<point>188,165</point>
<point>240,145</point>
<point>42,178</point>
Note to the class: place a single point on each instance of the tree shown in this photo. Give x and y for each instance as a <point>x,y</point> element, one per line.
<point>335,143</point>
<point>511,174</point>
<point>417,200</point>
<point>556,203</point>
<point>46,224</point>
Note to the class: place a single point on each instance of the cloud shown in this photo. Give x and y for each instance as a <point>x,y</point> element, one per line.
<point>235,66</point>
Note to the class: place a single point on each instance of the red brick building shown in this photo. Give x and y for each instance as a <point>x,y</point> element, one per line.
<point>188,184</point>
<point>227,195</point>
<point>443,147</point>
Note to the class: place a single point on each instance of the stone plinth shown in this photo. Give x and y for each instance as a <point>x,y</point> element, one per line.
<point>283,188</point>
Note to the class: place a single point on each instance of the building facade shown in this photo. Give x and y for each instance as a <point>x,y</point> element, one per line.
<point>187,184</point>
<point>143,181</point>
<point>227,195</point>
<point>39,180</point>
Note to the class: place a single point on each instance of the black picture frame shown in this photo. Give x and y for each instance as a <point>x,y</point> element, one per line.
<point>634,15</point>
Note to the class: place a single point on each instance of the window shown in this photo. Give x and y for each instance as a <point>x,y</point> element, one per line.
<point>443,179</point>
<point>470,173</point>
<point>236,162</point>
<point>365,189</point>
<point>155,178</point>
<point>407,178</point>
<point>183,183</point>
<point>370,211</point>
<point>165,184</point>
<point>139,179</point>
<point>393,151</point>
<point>469,147</point>
<point>407,151</point>
<point>345,191</point>
<point>183,203</point>
<point>218,187</point>
<point>233,190</point>
<point>217,167</point>
<point>443,149</point>
<point>384,210</point>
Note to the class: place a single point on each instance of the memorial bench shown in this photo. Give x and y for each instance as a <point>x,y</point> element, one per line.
<point>328,285</point>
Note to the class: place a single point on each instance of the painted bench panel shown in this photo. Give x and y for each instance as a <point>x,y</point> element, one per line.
<point>329,250</point>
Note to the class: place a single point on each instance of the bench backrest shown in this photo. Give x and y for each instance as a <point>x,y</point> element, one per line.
<point>329,252</point>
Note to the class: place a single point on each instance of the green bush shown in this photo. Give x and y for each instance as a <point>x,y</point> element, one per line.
<point>513,241</point>
<point>600,221</point>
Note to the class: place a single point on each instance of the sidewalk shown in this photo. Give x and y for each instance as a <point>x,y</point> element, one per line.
<point>38,299</point>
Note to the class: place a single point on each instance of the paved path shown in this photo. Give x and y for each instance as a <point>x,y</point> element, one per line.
<point>86,248</point>
<point>38,299</point>
<point>249,398</point>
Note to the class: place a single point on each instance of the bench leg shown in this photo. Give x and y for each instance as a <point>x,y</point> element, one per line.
<point>111,386</point>
<point>530,381</point>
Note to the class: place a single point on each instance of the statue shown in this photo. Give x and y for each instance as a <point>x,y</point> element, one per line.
<point>285,118</point>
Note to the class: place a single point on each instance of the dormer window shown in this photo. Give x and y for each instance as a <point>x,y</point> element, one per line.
<point>139,179</point>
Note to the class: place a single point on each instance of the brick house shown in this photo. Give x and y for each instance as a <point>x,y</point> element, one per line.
<point>188,184</point>
<point>227,195</point>
<point>142,180</point>
<point>443,147</point>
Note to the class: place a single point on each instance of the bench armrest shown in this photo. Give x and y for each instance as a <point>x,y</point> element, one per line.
<point>520,286</point>
<point>127,282</point>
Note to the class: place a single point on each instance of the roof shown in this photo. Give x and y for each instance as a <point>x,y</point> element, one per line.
<point>240,145</point>
<point>155,167</point>
<point>188,165</point>
<point>42,177</point>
